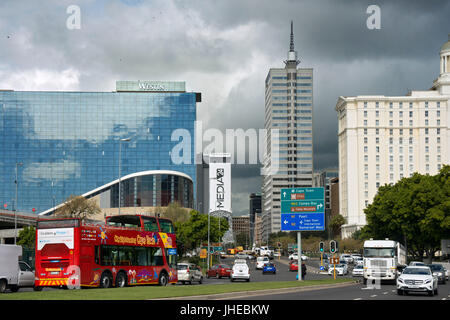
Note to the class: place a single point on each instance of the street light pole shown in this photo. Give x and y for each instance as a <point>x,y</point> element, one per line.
<point>120,164</point>
<point>15,204</point>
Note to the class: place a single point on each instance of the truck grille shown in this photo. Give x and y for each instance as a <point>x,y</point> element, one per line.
<point>378,263</point>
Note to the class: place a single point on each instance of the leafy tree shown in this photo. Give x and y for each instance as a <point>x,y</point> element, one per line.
<point>415,211</point>
<point>242,239</point>
<point>176,213</point>
<point>336,223</point>
<point>78,207</point>
<point>27,237</point>
<point>192,233</point>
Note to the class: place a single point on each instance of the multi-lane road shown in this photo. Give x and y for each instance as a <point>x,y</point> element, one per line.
<point>356,291</point>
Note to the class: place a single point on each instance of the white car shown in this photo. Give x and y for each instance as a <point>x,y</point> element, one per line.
<point>347,258</point>
<point>358,261</point>
<point>417,279</point>
<point>358,271</point>
<point>294,256</point>
<point>341,269</point>
<point>189,272</point>
<point>240,270</point>
<point>261,261</point>
<point>356,257</point>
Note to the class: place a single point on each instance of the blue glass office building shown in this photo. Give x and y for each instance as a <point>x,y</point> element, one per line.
<point>67,143</point>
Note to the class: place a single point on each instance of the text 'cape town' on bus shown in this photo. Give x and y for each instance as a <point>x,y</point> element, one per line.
<point>127,250</point>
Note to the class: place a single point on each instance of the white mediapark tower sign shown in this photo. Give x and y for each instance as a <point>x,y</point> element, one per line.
<point>220,189</point>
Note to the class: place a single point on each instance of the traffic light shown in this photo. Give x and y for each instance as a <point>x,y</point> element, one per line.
<point>321,246</point>
<point>332,246</point>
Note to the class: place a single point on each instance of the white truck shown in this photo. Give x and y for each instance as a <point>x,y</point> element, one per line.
<point>265,251</point>
<point>14,273</point>
<point>381,259</point>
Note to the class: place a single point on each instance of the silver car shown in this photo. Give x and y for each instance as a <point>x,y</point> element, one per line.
<point>189,272</point>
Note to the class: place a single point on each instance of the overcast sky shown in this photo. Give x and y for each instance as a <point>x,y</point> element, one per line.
<point>224,49</point>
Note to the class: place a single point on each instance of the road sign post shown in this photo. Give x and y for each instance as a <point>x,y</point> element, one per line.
<point>302,209</point>
<point>299,254</point>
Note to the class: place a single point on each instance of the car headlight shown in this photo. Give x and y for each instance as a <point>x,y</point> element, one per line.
<point>428,280</point>
<point>400,280</point>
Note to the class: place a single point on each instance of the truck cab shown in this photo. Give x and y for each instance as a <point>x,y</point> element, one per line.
<point>381,259</point>
<point>14,273</point>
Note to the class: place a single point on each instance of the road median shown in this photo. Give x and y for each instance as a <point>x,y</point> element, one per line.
<point>290,287</point>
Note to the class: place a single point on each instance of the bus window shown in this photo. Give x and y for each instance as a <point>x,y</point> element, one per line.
<point>154,256</point>
<point>171,259</point>
<point>126,256</point>
<point>150,224</point>
<point>109,256</point>
<point>127,221</point>
<point>141,256</point>
<point>166,226</point>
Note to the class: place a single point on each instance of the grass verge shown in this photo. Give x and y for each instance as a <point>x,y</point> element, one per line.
<point>154,292</point>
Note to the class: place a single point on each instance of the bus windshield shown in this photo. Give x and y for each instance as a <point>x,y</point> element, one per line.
<point>166,226</point>
<point>379,252</point>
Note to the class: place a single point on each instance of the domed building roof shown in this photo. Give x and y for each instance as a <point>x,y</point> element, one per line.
<point>446,46</point>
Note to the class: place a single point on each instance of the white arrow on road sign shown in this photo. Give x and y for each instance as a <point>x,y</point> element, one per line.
<point>285,221</point>
<point>284,194</point>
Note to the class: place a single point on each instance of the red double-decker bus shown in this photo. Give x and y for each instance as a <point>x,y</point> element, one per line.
<point>126,250</point>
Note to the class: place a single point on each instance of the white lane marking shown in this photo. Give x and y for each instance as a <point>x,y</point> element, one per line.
<point>373,296</point>
<point>358,299</point>
<point>385,292</point>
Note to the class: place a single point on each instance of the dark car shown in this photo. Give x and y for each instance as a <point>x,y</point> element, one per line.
<point>269,268</point>
<point>218,271</point>
<point>438,271</point>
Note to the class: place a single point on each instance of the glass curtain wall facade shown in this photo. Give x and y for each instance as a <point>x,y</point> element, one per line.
<point>153,191</point>
<point>68,142</point>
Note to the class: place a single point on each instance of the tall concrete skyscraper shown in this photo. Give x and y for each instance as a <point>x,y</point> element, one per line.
<point>288,109</point>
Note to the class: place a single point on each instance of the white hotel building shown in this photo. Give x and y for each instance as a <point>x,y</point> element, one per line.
<point>383,139</point>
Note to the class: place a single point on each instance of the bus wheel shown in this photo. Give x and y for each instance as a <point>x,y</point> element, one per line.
<point>121,280</point>
<point>2,285</point>
<point>105,280</point>
<point>163,279</point>
<point>37,288</point>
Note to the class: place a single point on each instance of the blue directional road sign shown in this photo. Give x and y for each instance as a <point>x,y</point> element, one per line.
<point>302,209</point>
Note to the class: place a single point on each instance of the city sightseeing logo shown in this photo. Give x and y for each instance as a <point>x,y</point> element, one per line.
<point>103,236</point>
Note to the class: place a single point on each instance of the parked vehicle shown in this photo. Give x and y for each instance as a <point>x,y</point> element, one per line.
<point>269,268</point>
<point>381,259</point>
<point>189,272</point>
<point>219,271</point>
<point>14,274</point>
<point>417,279</point>
<point>261,261</point>
<point>341,269</point>
<point>240,270</point>
<point>438,271</point>
<point>358,271</point>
